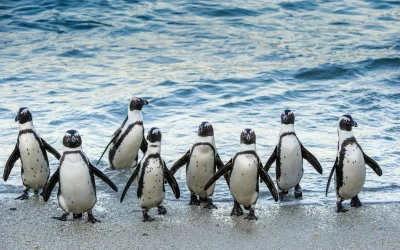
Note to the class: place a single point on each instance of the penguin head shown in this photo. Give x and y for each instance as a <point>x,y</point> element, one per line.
<point>72,139</point>
<point>154,135</point>
<point>137,104</point>
<point>23,115</point>
<point>346,122</point>
<point>205,129</point>
<point>248,136</point>
<point>287,117</point>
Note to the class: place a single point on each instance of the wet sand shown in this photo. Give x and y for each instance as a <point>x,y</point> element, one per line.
<point>30,226</point>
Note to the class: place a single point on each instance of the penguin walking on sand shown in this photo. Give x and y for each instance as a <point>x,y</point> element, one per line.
<point>245,170</point>
<point>201,162</point>
<point>128,138</point>
<point>31,148</point>
<point>151,172</point>
<point>289,155</point>
<point>75,175</point>
<point>349,166</point>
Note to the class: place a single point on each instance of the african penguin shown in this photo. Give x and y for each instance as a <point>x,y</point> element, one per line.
<point>152,172</point>
<point>31,148</point>
<point>75,175</point>
<point>201,162</point>
<point>289,155</point>
<point>128,138</point>
<point>245,170</point>
<point>349,165</point>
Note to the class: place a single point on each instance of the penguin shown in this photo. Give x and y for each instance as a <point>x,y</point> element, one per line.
<point>152,172</point>
<point>128,138</point>
<point>349,166</point>
<point>201,162</point>
<point>31,148</point>
<point>75,175</point>
<point>289,155</point>
<point>245,169</point>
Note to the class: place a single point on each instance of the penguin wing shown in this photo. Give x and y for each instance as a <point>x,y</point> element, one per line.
<point>143,146</point>
<point>50,149</point>
<point>330,176</point>
<point>103,177</point>
<point>51,184</point>
<point>182,161</point>
<point>271,160</point>
<point>311,159</point>
<point>268,181</point>
<point>220,165</point>
<point>114,136</point>
<point>129,183</point>
<point>171,181</point>
<point>372,164</point>
<point>15,155</point>
<point>217,175</point>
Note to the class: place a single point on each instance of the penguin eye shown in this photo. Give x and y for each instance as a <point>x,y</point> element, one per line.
<point>24,112</point>
<point>290,114</point>
<point>252,132</point>
<point>283,114</point>
<point>135,99</point>
<point>244,132</point>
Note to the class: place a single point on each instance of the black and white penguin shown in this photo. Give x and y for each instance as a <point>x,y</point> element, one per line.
<point>288,155</point>
<point>201,162</point>
<point>75,175</point>
<point>152,172</point>
<point>31,148</point>
<point>128,138</point>
<point>245,170</point>
<point>349,165</point>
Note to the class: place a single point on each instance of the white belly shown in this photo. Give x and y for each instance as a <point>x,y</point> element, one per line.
<point>153,184</point>
<point>126,153</point>
<point>291,163</point>
<point>77,193</point>
<point>200,170</point>
<point>35,170</point>
<point>353,172</point>
<point>243,179</point>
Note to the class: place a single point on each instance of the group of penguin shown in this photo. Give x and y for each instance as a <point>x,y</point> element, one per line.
<point>243,173</point>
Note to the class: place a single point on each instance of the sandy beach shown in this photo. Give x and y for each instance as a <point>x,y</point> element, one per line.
<point>28,225</point>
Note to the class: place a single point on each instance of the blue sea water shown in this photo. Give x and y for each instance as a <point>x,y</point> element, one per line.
<point>236,64</point>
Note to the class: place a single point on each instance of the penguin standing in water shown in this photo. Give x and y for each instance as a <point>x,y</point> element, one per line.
<point>245,170</point>
<point>289,154</point>
<point>152,171</point>
<point>349,166</point>
<point>201,162</point>
<point>128,138</point>
<point>31,148</point>
<point>75,175</point>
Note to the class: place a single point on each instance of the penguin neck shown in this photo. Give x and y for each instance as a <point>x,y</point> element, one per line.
<point>209,139</point>
<point>343,135</point>
<point>247,147</point>
<point>285,128</point>
<point>153,148</point>
<point>26,125</point>
<point>135,115</point>
<point>67,149</point>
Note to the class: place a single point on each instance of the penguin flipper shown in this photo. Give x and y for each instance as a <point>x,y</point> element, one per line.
<point>143,145</point>
<point>15,155</point>
<point>171,181</point>
<point>330,176</point>
<point>50,149</point>
<point>217,175</point>
<point>311,159</point>
<point>268,181</point>
<point>55,178</point>
<point>271,160</point>
<point>372,164</point>
<point>103,177</point>
<point>129,183</point>
<point>182,161</point>
<point>220,165</point>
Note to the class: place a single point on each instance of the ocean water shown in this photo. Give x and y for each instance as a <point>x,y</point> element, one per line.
<point>235,64</point>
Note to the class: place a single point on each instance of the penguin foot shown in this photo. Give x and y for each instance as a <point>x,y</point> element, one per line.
<point>355,202</point>
<point>162,210</point>
<point>210,204</point>
<point>92,219</point>
<point>282,194</point>
<point>194,200</point>
<point>251,215</point>
<point>62,217</point>
<point>24,196</point>
<point>237,210</point>
<point>77,216</point>
<point>146,217</point>
<point>340,208</point>
<point>297,191</point>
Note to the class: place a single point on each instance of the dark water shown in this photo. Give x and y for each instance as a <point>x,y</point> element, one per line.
<point>235,64</point>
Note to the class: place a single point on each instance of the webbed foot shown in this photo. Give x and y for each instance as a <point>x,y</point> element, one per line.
<point>23,197</point>
<point>355,202</point>
<point>146,217</point>
<point>77,216</point>
<point>251,215</point>
<point>236,210</point>
<point>282,193</point>
<point>62,217</point>
<point>297,191</point>
<point>210,204</point>
<point>162,210</point>
<point>194,200</point>
<point>340,208</point>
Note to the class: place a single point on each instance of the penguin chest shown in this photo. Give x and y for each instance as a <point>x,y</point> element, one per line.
<point>353,172</point>
<point>77,193</point>
<point>200,169</point>
<point>123,155</point>
<point>290,170</point>
<point>243,179</point>
<point>152,185</point>
<point>35,169</point>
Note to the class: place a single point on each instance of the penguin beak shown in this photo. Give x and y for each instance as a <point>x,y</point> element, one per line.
<point>353,123</point>
<point>285,118</point>
<point>248,137</point>
<point>17,117</point>
<point>74,139</point>
<point>144,102</point>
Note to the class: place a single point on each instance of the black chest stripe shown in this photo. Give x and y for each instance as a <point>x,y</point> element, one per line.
<point>141,177</point>
<point>339,167</point>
